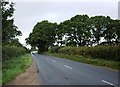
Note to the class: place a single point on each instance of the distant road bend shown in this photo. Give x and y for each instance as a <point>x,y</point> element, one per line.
<point>59,71</point>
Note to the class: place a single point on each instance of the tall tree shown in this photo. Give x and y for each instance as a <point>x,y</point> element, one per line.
<point>9,30</point>
<point>99,25</point>
<point>109,33</point>
<point>117,30</point>
<point>81,25</point>
<point>76,30</point>
<point>43,35</point>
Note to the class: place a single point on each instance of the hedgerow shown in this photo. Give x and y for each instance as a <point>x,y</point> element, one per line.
<point>101,52</point>
<point>9,52</point>
<point>54,49</point>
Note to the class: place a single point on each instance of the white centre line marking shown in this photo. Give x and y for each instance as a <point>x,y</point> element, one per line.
<point>68,67</point>
<point>54,61</point>
<point>108,83</point>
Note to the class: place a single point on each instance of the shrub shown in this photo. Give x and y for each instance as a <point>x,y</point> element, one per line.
<point>103,52</point>
<point>54,49</point>
<point>9,52</point>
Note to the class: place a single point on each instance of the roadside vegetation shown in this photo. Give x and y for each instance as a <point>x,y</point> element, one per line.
<point>15,66</point>
<point>9,52</point>
<point>99,55</point>
<point>99,52</point>
<point>15,57</point>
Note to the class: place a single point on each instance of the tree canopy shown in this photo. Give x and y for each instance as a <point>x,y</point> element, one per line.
<point>9,30</point>
<point>43,35</point>
<point>80,30</point>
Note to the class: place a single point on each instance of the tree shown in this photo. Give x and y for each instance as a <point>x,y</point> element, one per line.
<point>76,30</point>
<point>80,30</point>
<point>109,33</point>
<point>15,42</point>
<point>117,30</point>
<point>9,30</point>
<point>63,32</point>
<point>107,28</point>
<point>115,25</point>
<point>99,26</point>
<point>43,35</point>
<point>82,26</point>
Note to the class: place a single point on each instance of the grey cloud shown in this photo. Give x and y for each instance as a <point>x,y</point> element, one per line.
<point>27,14</point>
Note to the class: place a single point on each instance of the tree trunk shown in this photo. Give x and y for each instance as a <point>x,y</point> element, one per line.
<point>41,49</point>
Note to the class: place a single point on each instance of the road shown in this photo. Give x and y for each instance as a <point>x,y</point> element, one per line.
<point>59,71</point>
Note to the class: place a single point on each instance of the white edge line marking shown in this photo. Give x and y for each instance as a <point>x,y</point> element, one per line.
<point>54,61</point>
<point>108,83</point>
<point>68,67</point>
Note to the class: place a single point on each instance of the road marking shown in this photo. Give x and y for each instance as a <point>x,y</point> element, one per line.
<point>47,58</point>
<point>109,83</point>
<point>54,61</point>
<point>68,67</point>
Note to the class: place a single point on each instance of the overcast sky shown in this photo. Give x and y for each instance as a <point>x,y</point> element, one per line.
<point>27,14</point>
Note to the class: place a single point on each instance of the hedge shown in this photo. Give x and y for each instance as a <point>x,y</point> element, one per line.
<point>102,52</point>
<point>54,49</point>
<point>9,52</point>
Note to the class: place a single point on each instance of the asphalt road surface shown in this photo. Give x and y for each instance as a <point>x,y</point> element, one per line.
<point>59,71</point>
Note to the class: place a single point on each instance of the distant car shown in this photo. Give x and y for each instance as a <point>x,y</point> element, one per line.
<point>33,53</point>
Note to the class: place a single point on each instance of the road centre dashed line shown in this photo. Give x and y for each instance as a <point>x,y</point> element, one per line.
<point>67,66</point>
<point>109,83</point>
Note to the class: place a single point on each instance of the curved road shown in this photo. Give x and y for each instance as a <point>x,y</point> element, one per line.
<point>59,71</point>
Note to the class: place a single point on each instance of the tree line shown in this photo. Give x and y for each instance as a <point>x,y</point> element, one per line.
<point>80,30</point>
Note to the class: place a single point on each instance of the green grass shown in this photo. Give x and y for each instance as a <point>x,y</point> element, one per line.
<point>99,62</point>
<point>14,67</point>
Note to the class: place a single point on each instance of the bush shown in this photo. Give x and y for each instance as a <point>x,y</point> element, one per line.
<point>102,52</point>
<point>54,49</point>
<point>9,52</point>
<point>106,52</point>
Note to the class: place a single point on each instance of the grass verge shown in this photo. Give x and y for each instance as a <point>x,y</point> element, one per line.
<point>14,67</point>
<point>99,62</point>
